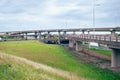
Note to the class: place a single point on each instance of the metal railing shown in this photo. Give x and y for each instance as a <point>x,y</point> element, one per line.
<point>113,41</point>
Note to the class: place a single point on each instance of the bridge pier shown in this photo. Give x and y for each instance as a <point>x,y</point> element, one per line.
<point>6,37</point>
<point>88,34</point>
<point>48,35</point>
<point>71,43</point>
<point>35,35</point>
<point>79,46</point>
<point>99,45</point>
<point>22,37</point>
<point>39,36</point>
<point>115,58</point>
<point>25,36</point>
<point>74,33</point>
<point>113,34</point>
<point>83,33</point>
<point>15,38</point>
<point>64,34</point>
<point>59,37</point>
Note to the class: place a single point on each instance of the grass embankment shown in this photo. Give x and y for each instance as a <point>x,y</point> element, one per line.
<point>104,52</point>
<point>16,68</point>
<point>56,57</point>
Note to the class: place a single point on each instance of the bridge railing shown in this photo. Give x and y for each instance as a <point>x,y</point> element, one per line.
<point>97,37</point>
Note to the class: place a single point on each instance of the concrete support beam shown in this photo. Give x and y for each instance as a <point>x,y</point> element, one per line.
<point>89,46</point>
<point>35,35</point>
<point>79,46</point>
<point>16,38</point>
<point>19,37</point>
<point>59,37</point>
<point>113,34</point>
<point>6,37</point>
<point>64,34</point>
<point>74,33</point>
<point>48,35</point>
<point>99,45</point>
<point>22,36</point>
<point>71,43</point>
<point>25,36</point>
<point>88,34</point>
<point>83,33</point>
<point>115,58</point>
<point>39,36</point>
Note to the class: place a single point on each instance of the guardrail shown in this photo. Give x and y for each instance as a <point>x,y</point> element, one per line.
<point>113,42</point>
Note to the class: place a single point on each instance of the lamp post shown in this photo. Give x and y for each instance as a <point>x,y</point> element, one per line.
<point>94,5</point>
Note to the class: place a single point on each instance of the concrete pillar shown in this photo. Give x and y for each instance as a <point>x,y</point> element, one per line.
<point>6,37</point>
<point>25,36</point>
<point>73,32</point>
<point>115,58</point>
<point>19,37</point>
<point>64,34</point>
<point>113,33</point>
<point>22,36</point>
<point>71,43</point>
<point>39,36</point>
<point>58,37</point>
<point>35,35</point>
<point>88,34</point>
<point>78,46</point>
<point>89,46</point>
<point>99,45</point>
<point>83,33</point>
<point>48,35</point>
<point>16,37</point>
<point>44,36</point>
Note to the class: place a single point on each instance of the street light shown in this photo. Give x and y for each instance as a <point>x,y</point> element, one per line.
<point>94,5</point>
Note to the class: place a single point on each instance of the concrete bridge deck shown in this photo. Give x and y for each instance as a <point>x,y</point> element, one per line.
<point>112,42</point>
<point>66,30</point>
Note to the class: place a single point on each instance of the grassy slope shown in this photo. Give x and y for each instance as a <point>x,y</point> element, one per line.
<point>56,56</point>
<point>12,69</point>
<point>104,52</point>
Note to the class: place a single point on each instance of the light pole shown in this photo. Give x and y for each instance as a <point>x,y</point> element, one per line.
<point>94,19</point>
<point>94,5</point>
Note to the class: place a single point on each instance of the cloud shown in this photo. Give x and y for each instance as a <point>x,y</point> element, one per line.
<point>46,14</point>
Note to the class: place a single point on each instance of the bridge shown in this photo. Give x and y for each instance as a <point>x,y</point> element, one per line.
<point>111,40</point>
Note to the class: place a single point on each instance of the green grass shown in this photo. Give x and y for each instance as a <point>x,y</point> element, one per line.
<point>104,52</point>
<point>11,69</point>
<point>56,57</point>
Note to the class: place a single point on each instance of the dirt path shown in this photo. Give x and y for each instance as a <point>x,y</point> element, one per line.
<point>68,75</point>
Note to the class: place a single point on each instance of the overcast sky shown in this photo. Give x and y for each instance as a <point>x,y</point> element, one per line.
<point>56,14</point>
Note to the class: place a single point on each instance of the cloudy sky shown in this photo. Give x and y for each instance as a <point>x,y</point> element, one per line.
<point>56,14</point>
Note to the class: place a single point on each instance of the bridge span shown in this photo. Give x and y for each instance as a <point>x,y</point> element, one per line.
<point>112,40</point>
